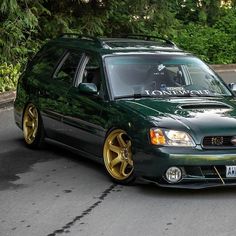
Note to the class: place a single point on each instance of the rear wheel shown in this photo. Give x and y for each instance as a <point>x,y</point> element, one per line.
<point>117,157</point>
<point>32,127</point>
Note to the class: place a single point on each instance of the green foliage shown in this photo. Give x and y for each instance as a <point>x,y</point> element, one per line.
<point>19,23</point>
<point>9,75</point>
<point>205,28</point>
<point>210,44</point>
<point>215,44</point>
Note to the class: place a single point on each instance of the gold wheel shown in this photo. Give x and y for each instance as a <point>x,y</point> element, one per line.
<point>118,156</point>
<point>30,123</point>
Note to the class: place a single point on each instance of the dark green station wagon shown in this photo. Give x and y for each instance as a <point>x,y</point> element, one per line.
<point>141,106</point>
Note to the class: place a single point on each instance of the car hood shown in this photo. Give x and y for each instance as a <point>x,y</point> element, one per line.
<point>198,116</point>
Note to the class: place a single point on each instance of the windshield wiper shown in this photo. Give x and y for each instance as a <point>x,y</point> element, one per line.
<point>136,95</point>
<point>139,95</point>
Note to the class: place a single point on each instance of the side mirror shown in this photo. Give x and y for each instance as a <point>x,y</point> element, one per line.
<point>232,86</point>
<point>88,88</point>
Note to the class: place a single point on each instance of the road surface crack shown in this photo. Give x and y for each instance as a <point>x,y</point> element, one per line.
<point>86,212</point>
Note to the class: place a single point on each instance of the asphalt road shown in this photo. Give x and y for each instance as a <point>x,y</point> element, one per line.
<point>56,192</point>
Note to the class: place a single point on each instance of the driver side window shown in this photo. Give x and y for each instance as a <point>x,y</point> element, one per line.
<point>91,72</point>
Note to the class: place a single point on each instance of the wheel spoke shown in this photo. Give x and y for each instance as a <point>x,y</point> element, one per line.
<point>29,123</point>
<point>34,134</point>
<point>31,113</point>
<point>128,144</point>
<point>35,113</point>
<point>30,134</point>
<point>130,162</point>
<point>123,167</point>
<point>121,141</point>
<point>115,161</point>
<point>114,148</point>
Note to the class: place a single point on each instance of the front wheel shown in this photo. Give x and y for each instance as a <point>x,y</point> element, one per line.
<point>117,155</point>
<point>32,127</point>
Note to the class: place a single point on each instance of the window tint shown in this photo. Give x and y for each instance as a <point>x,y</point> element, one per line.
<point>45,61</point>
<point>91,73</point>
<point>68,69</point>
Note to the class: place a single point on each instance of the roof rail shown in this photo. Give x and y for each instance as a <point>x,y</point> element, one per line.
<point>149,37</point>
<point>83,37</point>
<point>101,43</point>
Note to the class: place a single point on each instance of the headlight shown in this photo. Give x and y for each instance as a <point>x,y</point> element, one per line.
<point>168,137</point>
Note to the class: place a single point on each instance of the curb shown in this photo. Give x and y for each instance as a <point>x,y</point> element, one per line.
<point>7,99</point>
<point>224,68</point>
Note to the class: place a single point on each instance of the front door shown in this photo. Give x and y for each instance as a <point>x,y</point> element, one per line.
<point>83,121</point>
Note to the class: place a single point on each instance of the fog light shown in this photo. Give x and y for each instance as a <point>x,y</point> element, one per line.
<point>173,174</point>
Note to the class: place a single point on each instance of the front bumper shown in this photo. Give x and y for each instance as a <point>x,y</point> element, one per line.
<point>191,185</point>
<point>200,168</point>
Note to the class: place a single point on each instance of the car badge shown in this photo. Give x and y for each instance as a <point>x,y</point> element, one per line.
<point>217,141</point>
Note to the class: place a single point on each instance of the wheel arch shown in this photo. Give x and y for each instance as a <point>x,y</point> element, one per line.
<point>115,127</point>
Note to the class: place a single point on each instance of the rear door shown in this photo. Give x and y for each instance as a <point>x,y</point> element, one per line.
<point>54,103</point>
<point>39,80</point>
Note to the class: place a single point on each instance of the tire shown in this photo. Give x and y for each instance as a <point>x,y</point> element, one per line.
<point>117,156</point>
<point>33,130</point>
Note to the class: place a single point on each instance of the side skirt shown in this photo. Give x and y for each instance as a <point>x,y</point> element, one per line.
<point>76,151</point>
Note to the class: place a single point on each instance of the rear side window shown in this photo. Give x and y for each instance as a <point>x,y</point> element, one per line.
<point>45,62</point>
<point>68,68</point>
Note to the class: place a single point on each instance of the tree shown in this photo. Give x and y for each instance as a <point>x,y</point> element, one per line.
<point>26,24</point>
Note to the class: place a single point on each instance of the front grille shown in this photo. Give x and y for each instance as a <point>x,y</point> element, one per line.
<point>205,171</point>
<point>210,172</point>
<point>217,142</point>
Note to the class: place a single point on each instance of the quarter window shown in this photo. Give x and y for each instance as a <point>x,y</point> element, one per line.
<point>45,62</point>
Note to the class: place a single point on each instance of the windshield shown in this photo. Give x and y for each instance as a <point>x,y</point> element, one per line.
<point>161,76</point>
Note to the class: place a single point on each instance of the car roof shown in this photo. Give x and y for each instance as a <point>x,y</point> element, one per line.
<point>131,44</point>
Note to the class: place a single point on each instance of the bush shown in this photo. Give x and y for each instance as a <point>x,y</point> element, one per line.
<point>9,75</point>
<point>211,44</point>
